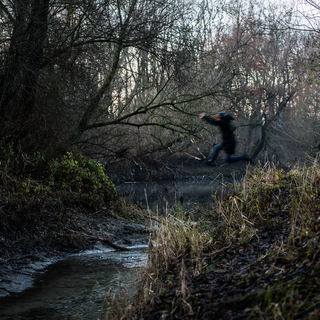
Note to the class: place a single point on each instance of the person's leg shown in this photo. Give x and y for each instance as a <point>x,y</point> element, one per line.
<point>230,159</point>
<point>215,152</point>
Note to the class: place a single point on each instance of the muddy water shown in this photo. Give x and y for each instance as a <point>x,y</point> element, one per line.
<point>75,288</point>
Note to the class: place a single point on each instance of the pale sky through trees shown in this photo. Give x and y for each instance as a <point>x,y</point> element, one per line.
<point>308,12</point>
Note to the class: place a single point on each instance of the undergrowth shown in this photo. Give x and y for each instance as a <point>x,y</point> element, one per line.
<point>71,172</point>
<point>38,196</point>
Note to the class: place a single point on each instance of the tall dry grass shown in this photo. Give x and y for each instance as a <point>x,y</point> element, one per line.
<point>265,191</point>
<point>174,239</point>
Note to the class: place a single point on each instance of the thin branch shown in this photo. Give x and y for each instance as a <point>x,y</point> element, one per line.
<point>4,9</point>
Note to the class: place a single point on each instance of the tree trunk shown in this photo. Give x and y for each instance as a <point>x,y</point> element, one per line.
<point>260,144</point>
<point>18,86</point>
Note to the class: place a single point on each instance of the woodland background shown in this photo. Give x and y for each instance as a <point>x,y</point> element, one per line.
<point>121,79</point>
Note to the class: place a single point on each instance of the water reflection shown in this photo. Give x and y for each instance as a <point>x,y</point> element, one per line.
<point>75,288</point>
<point>161,194</point>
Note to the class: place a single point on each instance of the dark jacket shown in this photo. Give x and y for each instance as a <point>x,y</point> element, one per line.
<point>227,128</point>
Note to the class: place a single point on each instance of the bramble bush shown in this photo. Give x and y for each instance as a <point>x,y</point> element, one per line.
<point>73,172</point>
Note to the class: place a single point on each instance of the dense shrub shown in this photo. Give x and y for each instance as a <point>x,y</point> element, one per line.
<point>77,173</point>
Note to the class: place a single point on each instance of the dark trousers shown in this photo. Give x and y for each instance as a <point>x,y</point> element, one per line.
<point>228,157</point>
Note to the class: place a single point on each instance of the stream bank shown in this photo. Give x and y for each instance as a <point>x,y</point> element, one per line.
<point>256,255</point>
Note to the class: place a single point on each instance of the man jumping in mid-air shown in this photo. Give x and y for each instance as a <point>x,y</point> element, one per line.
<point>229,141</point>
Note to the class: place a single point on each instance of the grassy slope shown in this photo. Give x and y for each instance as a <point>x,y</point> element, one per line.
<point>254,256</point>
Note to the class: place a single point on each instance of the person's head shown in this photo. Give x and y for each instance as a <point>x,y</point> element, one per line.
<point>220,115</point>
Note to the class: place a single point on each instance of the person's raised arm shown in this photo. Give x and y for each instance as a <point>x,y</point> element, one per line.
<point>209,119</point>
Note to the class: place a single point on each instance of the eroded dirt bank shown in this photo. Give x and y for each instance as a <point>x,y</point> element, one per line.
<point>26,249</point>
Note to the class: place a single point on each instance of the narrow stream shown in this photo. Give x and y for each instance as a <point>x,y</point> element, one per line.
<point>75,288</point>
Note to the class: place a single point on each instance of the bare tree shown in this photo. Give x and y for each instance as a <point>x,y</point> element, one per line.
<point>264,58</point>
<point>128,77</point>
<point>75,70</point>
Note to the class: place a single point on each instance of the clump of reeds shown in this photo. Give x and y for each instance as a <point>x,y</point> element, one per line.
<point>116,306</point>
<point>174,240</point>
<point>237,212</point>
